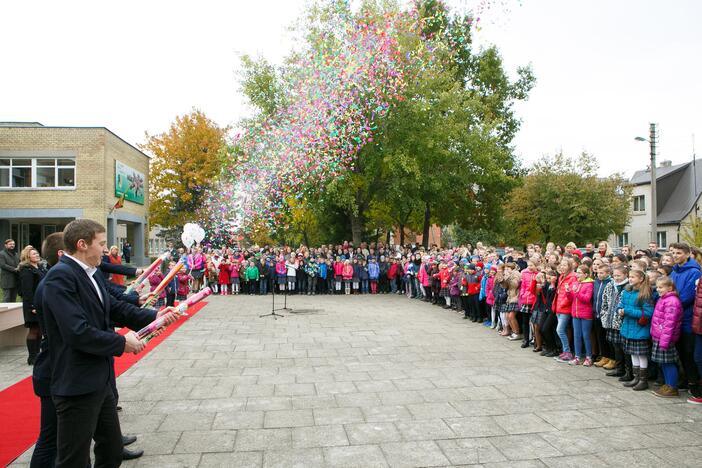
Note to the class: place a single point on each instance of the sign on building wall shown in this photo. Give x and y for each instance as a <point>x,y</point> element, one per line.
<point>129,182</point>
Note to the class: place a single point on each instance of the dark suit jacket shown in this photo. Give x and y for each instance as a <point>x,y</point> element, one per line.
<point>81,342</point>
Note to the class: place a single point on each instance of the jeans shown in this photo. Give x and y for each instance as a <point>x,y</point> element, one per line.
<point>80,419</point>
<point>581,332</point>
<point>393,286</point>
<point>312,285</point>
<point>263,286</point>
<point>670,373</point>
<point>364,286</point>
<point>563,321</point>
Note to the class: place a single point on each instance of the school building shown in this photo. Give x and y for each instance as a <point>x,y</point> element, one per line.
<point>50,176</point>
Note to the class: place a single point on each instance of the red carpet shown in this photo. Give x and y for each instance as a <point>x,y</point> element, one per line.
<point>19,407</point>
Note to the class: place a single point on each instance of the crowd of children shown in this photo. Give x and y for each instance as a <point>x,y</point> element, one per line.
<point>639,317</point>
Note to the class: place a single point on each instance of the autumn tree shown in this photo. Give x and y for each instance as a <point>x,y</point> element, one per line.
<point>185,162</point>
<point>563,200</point>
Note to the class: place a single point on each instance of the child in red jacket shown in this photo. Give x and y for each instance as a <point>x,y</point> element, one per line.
<point>471,283</point>
<point>338,271</point>
<point>154,280</point>
<point>183,285</point>
<point>347,276</point>
<point>223,278</point>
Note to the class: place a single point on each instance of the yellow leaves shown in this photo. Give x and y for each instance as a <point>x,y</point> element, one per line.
<point>185,161</point>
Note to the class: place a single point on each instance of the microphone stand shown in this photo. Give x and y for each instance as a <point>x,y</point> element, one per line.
<point>273,309</point>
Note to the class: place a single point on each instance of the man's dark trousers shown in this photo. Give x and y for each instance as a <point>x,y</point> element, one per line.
<point>82,418</point>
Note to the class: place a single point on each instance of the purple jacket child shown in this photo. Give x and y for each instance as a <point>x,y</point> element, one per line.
<point>455,284</point>
<point>666,320</point>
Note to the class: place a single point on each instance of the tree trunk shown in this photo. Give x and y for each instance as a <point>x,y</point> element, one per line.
<point>356,228</point>
<point>427,225</point>
<point>304,236</point>
<point>387,236</point>
<point>402,234</point>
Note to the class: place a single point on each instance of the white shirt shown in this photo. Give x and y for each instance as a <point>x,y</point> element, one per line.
<point>90,271</point>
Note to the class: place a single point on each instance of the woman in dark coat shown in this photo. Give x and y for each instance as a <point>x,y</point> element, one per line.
<point>31,272</point>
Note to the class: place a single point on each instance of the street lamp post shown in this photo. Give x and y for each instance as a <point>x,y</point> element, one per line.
<point>653,140</point>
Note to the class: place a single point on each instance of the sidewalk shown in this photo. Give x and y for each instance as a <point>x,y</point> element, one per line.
<point>376,381</point>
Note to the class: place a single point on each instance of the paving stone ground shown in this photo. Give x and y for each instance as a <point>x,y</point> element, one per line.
<point>379,381</point>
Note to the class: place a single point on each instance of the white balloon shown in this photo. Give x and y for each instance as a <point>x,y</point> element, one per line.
<point>187,239</point>
<point>199,234</point>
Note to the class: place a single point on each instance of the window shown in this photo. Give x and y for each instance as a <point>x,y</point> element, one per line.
<point>662,238</point>
<point>623,239</point>
<point>639,203</point>
<point>20,173</point>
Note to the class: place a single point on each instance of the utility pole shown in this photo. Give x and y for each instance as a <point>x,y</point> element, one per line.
<point>653,139</point>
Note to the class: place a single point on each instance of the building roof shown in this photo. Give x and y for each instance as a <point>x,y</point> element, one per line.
<point>644,177</point>
<point>684,195</point>
<point>37,125</point>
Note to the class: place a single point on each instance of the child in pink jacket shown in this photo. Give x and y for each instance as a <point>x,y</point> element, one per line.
<point>580,295</point>
<point>665,332</point>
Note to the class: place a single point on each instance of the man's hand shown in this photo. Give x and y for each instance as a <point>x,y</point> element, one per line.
<point>143,298</point>
<point>139,271</point>
<point>168,315</point>
<point>132,343</point>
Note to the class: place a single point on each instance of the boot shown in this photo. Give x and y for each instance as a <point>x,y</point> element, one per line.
<point>628,375</point>
<point>611,364</point>
<point>636,380</point>
<point>616,369</point>
<point>603,361</point>
<point>642,384</point>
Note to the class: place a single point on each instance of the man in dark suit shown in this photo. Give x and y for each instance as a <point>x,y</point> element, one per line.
<point>77,313</point>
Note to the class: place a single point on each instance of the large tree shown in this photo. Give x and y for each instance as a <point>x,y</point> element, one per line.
<point>186,160</point>
<point>385,116</point>
<point>563,200</point>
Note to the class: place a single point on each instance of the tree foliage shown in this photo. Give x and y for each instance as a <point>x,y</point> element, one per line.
<point>186,161</point>
<point>442,154</point>
<point>561,199</point>
<point>691,231</point>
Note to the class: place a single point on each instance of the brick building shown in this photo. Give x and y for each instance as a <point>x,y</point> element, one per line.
<point>52,175</point>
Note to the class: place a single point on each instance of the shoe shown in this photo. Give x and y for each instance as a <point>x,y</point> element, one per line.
<point>627,375</point>
<point>666,391</point>
<point>514,337</point>
<point>574,362</point>
<point>131,454</point>
<point>695,400</point>
<point>611,364</point>
<point>565,357</point>
<point>126,440</point>
<point>545,352</point>
<point>525,344</point>
<point>537,350</point>
<point>487,323</point>
<point>119,408</point>
<point>587,362</point>
<point>601,362</point>
<point>552,354</point>
<point>465,317</point>
<point>642,384</point>
<point>635,380</point>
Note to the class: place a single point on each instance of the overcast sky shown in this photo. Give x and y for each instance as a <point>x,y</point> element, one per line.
<point>604,69</point>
